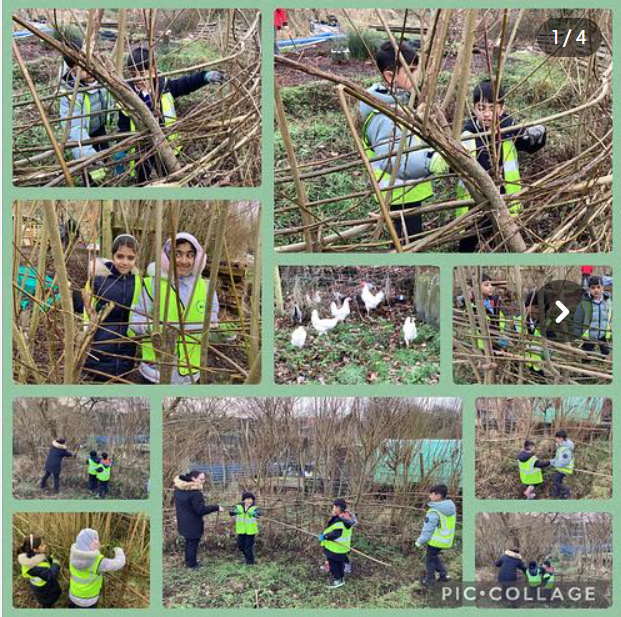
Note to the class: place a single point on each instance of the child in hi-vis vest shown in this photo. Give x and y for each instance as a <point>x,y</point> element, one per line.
<point>531,475</point>
<point>40,570</point>
<point>246,516</point>
<point>336,542</point>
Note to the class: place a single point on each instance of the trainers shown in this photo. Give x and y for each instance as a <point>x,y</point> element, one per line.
<point>336,584</point>
<point>444,579</point>
<point>425,582</point>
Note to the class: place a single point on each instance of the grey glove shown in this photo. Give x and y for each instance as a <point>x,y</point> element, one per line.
<point>214,77</point>
<point>535,134</point>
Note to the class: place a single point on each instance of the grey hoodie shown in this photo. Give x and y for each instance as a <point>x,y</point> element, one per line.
<point>432,520</point>
<point>83,559</point>
<point>384,135</point>
<point>561,461</point>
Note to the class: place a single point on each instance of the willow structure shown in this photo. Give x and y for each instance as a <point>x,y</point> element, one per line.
<point>215,137</point>
<point>55,247</point>
<point>330,200</point>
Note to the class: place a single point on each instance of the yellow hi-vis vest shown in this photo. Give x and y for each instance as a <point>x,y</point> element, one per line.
<point>502,325</point>
<point>104,474</point>
<point>588,314</point>
<point>549,581</point>
<point>109,112</point>
<point>188,346</point>
<point>136,297</point>
<point>35,580</point>
<point>400,195</point>
<point>245,522</point>
<point>86,583</point>
<point>529,474</point>
<point>564,470</point>
<point>510,172</point>
<point>444,534</point>
<point>534,580</point>
<point>342,544</point>
<point>169,115</point>
<point>533,353</point>
<point>92,467</point>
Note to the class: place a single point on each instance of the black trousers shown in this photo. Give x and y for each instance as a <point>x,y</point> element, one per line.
<point>413,222</point>
<point>337,568</point>
<point>434,564</point>
<point>93,483</point>
<point>245,543</point>
<point>104,488</point>
<point>191,550</point>
<point>46,477</point>
<point>604,347</point>
<point>558,488</point>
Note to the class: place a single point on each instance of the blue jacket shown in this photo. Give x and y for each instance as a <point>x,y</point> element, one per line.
<point>110,354</point>
<point>432,520</point>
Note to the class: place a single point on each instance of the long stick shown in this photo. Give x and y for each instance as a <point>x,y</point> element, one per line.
<point>310,533</point>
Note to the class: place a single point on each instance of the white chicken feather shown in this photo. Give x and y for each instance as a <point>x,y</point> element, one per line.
<point>410,333</point>
<point>371,301</point>
<point>342,312</point>
<point>298,337</point>
<point>323,325</point>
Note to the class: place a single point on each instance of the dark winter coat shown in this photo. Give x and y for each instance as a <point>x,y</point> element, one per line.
<point>522,143</point>
<point>335,534</point>
<point>49,593</point>
<point>190,507</point>
<point>524,455</point>
<point>181,86</point>
<point>509,565</point>
<point>110,354</point>
<point>55,457</point>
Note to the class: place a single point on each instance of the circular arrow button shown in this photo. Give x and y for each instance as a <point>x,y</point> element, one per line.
<point>552,309</point>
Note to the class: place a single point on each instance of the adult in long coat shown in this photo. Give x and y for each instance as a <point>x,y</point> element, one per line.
<point>53,464</point>
<point>191,508</point>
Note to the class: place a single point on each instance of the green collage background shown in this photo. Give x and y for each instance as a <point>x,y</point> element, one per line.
<point>264,194</point>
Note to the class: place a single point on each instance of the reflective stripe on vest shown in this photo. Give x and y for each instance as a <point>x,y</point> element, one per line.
<point>529,474</point>
<point>502,325</point>
<point>35,580</point>
<point>92,467</point>
<point>136,297</point>
<point>533,353</point>
<point>510,170</point>
<point>444,534</point>
<point>570,467</point>
<point>86,583</point>
<point>343,543</point>
<point>188,346</point>
<point>534,580</point>
<point>104,476</point>
<point>588,314</point>
<point>244,522</point>
<point>400,195</point>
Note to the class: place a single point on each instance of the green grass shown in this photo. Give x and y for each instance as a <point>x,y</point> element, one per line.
<point>358,352</point>
<point>289,578</point>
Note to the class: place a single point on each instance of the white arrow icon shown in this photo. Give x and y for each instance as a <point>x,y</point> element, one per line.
<point>564,311</point>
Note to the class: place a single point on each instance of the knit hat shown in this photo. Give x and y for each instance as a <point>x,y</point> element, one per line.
<point>595,280</point>
<point>248,495</point>
<point>86,538</point>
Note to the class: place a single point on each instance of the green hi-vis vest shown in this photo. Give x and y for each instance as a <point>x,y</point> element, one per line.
<point>502,326</point>
<point>93,466</point>
<point>588,315</point>
<point>35,580</point>
<point>109,117</point>
<point>245,522</point>
<point>444,534</point>
<point>341,545</point>
<point>137,291</point>
<point>533,353</point>
<point>510,172</point>
<point>570,468</point>
<point>104,475</point>
<point>400,195</point>
<point>169,115</point>
<point>534,580</point>
<point>529,474</point>
<point>188,346</point>
<point>86,583</point>
<point>549,581</point>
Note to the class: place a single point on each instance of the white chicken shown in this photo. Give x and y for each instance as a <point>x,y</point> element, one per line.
<point>409,331</point>
<point>371,301</point>
<point>323,325</point>
<point>342,312</point>
<point>298,337</point>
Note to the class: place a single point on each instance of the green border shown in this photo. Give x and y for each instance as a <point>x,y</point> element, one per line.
<point>264,193</point>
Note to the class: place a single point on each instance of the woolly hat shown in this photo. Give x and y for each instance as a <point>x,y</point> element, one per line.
<point>248,495</point>
<point>85,539</point>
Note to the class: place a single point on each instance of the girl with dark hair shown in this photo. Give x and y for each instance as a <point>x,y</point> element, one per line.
<point>40,570</point>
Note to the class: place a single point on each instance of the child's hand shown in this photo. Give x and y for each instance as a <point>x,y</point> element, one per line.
<point>321,537</point>
<point>535,134</point>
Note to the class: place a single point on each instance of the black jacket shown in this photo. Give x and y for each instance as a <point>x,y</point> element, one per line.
<point>181,86</point>
<point>49,593</point>
<point>55,457</point>
<point>509,565</point>
<point>522,143</point>
<point>190,507</point>
<point>110,354</point>
<point>524,455</point>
